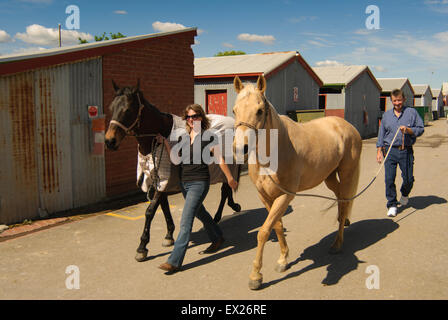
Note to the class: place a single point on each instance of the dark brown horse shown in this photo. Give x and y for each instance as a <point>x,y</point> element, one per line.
<point>133,115</point>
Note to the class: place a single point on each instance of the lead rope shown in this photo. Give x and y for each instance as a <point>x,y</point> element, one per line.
<point>342,200</point>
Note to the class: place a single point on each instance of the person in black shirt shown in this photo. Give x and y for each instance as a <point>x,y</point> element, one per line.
<point>195,183</point>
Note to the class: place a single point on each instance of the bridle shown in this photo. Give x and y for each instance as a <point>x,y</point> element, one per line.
<point>130,131</point>
<point>251,126</point>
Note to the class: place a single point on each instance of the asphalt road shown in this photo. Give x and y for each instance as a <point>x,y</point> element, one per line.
<point>383,258</point>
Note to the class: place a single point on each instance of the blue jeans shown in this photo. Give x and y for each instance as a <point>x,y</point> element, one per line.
<point>405,159</point>
<point>194,193</point>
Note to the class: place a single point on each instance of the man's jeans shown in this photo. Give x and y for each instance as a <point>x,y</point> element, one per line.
<point>194,193</point>
<point>405,160</point>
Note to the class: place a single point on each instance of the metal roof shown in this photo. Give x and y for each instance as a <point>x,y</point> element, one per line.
<point>86,46</point>
<point>343,75</point>
<point>249,65</point>
<point>421,88</point>
<point>435,92</point>
<point>389,84</point>
<point>260,63</point>
<point>338,74</point>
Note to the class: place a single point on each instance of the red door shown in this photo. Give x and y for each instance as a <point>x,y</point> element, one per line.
<point>217,102</point>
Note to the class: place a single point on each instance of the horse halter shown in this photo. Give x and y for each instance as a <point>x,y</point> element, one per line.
<point>251,126</point>
<point>128,130</point>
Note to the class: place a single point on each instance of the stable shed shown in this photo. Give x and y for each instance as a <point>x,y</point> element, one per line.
<point>437,102</point>
<point>291,83</point>
<point>422,95</point>
<point>445,95</point>
<point>352,93</point>
<point>423,99</point>
<point>48,162</point>
<point>390,84</point>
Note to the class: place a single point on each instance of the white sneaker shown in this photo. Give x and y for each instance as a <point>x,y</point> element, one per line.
<point>392,212</point>
<point>404,200</point>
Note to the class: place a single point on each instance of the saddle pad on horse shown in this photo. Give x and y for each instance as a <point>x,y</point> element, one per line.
<point>167,177</point>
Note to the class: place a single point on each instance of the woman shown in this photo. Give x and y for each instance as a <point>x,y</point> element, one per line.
<point>195,183</point>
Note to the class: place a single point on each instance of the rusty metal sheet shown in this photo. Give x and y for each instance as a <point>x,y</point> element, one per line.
<point>46,163</point>
<point>18,166</point>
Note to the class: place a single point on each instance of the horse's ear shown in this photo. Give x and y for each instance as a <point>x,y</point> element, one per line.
<point>261,83</point>
<point>138,85</point>
<point>238,84</point>
<point>116,88</point>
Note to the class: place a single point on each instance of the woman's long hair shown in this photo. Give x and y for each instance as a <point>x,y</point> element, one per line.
<point>205,123</point>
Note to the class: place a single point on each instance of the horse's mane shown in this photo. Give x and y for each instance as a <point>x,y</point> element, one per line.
<point>130,91</point>
<point>247,90</point>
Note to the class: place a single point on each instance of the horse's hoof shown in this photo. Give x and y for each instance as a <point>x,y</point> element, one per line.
<point>281,267</point>
<point>347,223</point>
<point>217,219</point>
<point>141,256</point>
<point>236,207</point>
<point>167,242</point>
<point>255,284</point>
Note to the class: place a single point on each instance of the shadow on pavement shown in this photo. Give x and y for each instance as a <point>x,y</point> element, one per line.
<point>358,236</point>
<point>240,233</point>
<point>419,203</point>
<point>422,202</point>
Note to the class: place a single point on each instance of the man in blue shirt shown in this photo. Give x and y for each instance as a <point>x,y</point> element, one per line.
<point>410,125</point>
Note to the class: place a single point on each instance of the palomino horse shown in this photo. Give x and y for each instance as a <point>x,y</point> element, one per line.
<point>133,115</point>
<point>326,149</point>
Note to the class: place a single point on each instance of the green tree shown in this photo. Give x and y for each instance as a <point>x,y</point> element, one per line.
<point>229,53</point>
<point>117,35</point>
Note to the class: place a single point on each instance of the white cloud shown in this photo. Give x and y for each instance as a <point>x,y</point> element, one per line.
<point>365,32</point>
<point>379,68</point>
<point>267,39</point>
<point>228,45</point>
<point>302,19</point>
<point>37,34</point>
<point>29,49</point>
<point>320,42</point>
<point>4,36</point>
<point>328,63</point>
<point>120,12</point>
<point>442,36</point>
<point>167,26</point>
<point>440,6</point>
<point>399,54</point>
<point>316,34</point>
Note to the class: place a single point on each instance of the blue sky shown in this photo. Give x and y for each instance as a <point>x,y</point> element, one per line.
<point>412,39</point>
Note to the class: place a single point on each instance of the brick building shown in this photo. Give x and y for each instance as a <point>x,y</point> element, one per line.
<point>47,164</point>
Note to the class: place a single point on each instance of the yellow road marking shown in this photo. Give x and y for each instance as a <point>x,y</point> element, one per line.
<point>123,217</point>
<point>116,215</point>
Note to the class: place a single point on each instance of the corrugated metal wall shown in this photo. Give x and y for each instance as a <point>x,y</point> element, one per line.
<point>280,90</point>
<point>19,198</point>
<point>201,88</point>
<point>336,101</point>
<point>88,171</point>
<point>45,141</point>
<point>355,104</point>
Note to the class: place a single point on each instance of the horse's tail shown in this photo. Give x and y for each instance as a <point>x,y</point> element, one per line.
<point>349,194</point>
<point>238,174</point>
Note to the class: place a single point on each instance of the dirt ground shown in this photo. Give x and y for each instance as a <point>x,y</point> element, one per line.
<point>383,258</point>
